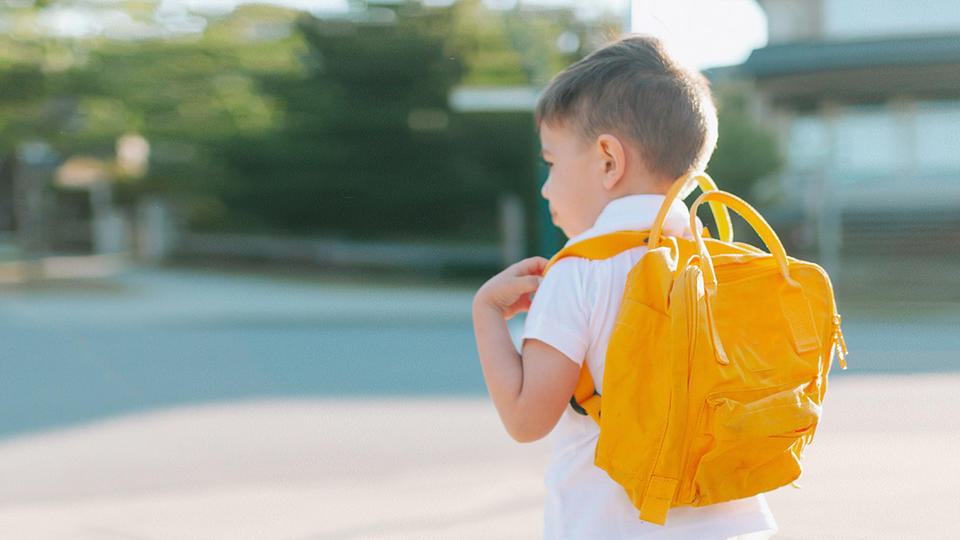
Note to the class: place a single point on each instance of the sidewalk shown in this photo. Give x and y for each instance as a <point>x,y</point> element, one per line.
<point>884,466</point>
<point>143,296</point>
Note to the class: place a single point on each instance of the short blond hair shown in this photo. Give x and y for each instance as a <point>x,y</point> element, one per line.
<point>631,87</point>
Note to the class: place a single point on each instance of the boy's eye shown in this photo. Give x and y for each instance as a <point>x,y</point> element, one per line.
<point>546,163</point>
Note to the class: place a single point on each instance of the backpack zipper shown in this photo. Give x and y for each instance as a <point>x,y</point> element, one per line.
<point>839,344</point>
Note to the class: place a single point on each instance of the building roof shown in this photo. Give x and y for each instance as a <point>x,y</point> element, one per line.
<point>806,57</point>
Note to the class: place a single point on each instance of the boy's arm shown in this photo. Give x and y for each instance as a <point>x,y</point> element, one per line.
<point>530,391</point>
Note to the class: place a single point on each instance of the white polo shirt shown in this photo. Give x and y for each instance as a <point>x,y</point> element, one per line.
<point>574,311</point>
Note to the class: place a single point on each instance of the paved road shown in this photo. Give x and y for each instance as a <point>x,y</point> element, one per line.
<point>157,338</point>
<point>883,467</point>
<point>348,462</point>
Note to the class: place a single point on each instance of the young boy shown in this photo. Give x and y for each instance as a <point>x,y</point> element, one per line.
<point>616,129</point>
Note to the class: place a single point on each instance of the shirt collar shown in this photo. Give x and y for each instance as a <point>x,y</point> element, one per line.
<point>638,212</point>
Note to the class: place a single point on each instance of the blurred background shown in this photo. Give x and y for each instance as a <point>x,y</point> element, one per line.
<point>219,201</point>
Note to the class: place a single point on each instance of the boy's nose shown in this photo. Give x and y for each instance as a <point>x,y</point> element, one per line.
<point>543,189</point>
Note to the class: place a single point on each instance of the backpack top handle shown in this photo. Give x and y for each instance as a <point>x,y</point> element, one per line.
<point>750,214</point>
<point>679,189</point>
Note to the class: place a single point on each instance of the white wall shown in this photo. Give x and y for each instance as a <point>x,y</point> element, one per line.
<point>866,143</point>
<point>791,20</point>
<point>938,136</point>
<point>852,19</point>
<point>806,20</point>
<point>854,143</point>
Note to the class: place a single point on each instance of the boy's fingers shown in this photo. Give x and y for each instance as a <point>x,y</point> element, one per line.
<point>530,283</point>
<point>533,265</point>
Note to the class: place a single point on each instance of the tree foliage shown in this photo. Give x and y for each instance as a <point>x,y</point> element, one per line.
<point>274,120</point>
<point>746,151</point>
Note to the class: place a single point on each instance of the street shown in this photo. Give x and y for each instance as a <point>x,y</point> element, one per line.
<point>158,338</point>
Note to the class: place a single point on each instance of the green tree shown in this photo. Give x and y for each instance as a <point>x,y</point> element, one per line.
<point>272,120</point>
<point>365,147</point>
<point>746,151</point>
<point>746,154</point>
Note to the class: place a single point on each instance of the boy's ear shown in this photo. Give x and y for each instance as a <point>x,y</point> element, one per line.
<point>613,158</point>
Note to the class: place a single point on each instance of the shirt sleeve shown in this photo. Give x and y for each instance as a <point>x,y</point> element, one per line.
<point>558,314</point>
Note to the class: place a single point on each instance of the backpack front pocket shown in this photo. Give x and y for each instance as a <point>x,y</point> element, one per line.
<point>752,441</point>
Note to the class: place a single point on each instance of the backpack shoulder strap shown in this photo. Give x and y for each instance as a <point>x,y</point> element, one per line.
<point>586,400</point>
<point>601,247</point>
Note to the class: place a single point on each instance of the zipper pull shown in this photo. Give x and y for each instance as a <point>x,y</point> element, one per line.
<point>839,343</point>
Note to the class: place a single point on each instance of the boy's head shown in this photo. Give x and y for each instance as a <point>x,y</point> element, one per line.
<point>633,89</point>
<point>627,102</point>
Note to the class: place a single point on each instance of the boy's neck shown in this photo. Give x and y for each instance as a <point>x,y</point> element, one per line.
<point>639,183</point>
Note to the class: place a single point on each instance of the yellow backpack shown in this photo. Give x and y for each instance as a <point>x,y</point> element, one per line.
<point>716,369</point>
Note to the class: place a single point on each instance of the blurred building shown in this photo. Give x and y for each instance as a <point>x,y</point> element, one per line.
<point>865,99</point>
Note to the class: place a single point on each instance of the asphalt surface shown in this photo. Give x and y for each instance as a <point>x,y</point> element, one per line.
<point>176,404</point>
<point>149,339</point>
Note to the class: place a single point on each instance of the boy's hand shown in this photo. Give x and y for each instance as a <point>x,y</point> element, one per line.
<point>509,292</point>
<point>531,390</point>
